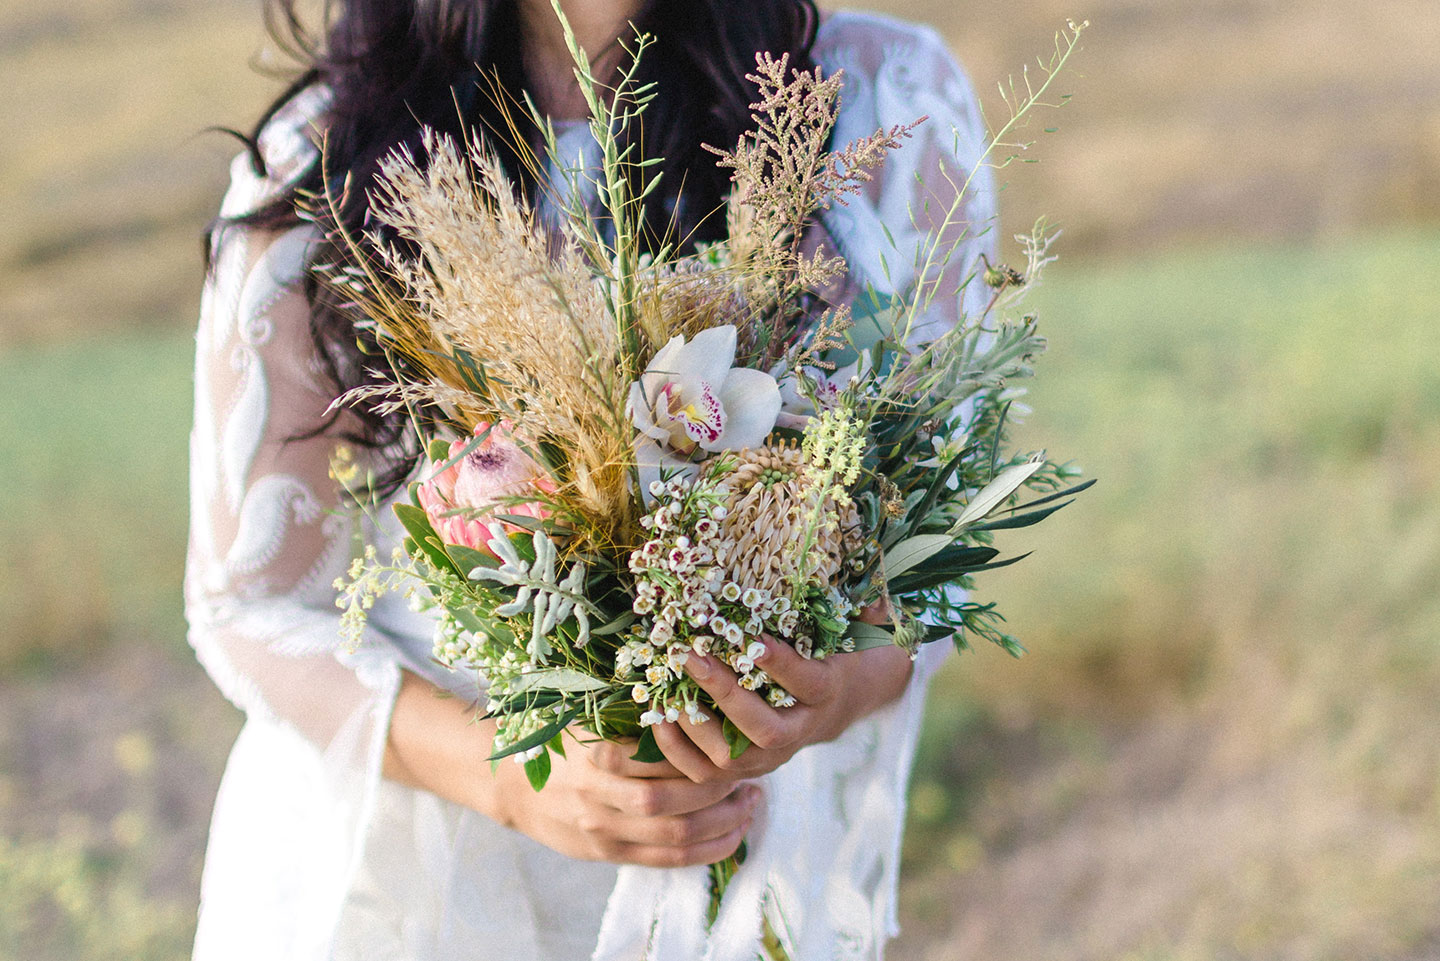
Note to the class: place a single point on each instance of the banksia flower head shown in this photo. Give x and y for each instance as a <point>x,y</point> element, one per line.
<point>772,500</point>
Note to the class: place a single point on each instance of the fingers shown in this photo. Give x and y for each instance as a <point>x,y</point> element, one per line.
<point>615,757</point>
<point>765,726</point>
<point>707,852</point>
<point>810,681</point>
<point>658,797</point>
<point>689,830</point>
<point>682,742</point>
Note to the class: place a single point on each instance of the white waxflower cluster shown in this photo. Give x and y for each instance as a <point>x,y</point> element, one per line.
<point>690,602</point>
<point>514,728</point>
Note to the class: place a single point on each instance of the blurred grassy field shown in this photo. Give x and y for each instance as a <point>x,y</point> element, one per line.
<point>1224,742</point>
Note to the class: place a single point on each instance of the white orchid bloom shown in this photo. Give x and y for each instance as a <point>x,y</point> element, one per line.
<point>693,397</point>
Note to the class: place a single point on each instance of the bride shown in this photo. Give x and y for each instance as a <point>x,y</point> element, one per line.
<point>358,817</point>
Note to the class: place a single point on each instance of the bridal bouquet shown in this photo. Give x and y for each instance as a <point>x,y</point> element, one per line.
<point>636,455</point>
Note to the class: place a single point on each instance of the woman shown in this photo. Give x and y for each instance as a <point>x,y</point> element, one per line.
<point>358,818</point>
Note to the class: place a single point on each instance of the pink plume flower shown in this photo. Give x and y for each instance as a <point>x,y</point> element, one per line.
<point>462,500</point>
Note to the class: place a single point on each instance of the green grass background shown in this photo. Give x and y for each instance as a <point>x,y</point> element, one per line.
<point>1223,743</point>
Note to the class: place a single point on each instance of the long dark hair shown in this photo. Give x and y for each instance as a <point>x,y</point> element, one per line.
<point>391,66</point>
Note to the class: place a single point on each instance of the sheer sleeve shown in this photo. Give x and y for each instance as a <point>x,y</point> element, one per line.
<point>266,545</point>
<point>822,868</point>
<point>930,212</point>
<point>267,539</point>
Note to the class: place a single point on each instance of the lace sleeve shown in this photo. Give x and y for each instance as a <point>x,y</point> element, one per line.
<point>266,540</point>
<point>930,212</point>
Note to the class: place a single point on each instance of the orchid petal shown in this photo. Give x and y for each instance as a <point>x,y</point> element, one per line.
<point>751,399</point>
<point>641,414</point>
<point>651,459</point>
<point>708,356</point>
<point>658,372</point>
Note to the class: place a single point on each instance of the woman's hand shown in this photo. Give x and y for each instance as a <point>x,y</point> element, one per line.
<point>830,694</point>
<point>598,805</point>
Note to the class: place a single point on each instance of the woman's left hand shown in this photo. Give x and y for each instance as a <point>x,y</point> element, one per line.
<point>830,695</point>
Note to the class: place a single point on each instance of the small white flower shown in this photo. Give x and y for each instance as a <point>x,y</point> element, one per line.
<point>650,718</point>
<point>640,693</point>
<point>779,697</point>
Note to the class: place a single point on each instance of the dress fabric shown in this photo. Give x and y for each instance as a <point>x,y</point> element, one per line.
<point>312,855</point>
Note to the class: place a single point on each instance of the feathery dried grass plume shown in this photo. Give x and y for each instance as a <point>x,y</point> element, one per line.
<point>503,321</point>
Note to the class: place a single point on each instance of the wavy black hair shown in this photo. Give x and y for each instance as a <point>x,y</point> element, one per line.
<point>391,66</point>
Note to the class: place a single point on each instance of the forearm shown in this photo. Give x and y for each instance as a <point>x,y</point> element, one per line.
<point>437,744</point>
<point>877,679</point>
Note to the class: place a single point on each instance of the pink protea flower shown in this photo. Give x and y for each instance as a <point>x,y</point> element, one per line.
<point>462,500</point>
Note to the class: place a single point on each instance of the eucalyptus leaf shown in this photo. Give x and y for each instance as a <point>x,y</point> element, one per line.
<point>417,524</point>
<point>537,769</point>
<point>734,737</point>
<point>647,751</point>
<point>1020,520</point>
<point>467,619</point>
<point>925,580</point>
<point>539,737</point>
<point>867,636</point>
<point>616,626</point>
<point>468,558</point>
<point>1055,496</point>
<point>993,494</point>
<point>912,551</point>
<point>564,679</point>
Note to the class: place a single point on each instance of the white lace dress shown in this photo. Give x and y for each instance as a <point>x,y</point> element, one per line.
<point>312,854</point>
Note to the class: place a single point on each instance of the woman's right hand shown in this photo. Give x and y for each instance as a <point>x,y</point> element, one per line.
<point>598,805</point>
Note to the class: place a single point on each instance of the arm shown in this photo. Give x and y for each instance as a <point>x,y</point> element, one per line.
<point>598,805</point>
<point>268,540</point>
<point>918,208</point>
